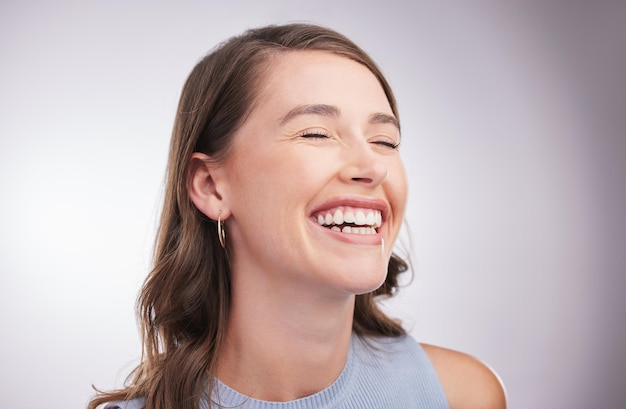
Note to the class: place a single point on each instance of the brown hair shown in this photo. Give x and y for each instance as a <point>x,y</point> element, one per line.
<point>183,306</point>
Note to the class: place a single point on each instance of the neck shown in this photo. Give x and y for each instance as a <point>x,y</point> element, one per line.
<point>284,343</point>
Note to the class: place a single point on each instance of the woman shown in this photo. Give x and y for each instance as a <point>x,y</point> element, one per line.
<point>285,194</point>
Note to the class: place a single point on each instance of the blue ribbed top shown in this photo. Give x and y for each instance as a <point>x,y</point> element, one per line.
<point>380,373</point>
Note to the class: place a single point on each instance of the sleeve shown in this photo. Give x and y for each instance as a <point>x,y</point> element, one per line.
<point>128,404</point>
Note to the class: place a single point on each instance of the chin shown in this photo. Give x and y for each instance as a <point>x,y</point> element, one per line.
<point>370,288</point>
<point>364,282</point>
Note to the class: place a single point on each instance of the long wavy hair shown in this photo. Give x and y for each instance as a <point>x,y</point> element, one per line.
<point>184,303</point>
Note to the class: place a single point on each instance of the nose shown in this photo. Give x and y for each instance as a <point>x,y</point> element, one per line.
<point>363,165</point>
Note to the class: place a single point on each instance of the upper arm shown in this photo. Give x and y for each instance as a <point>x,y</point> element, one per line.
<point>467,382</point>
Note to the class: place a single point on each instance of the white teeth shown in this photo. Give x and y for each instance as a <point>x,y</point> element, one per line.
<point>359,218</point>
<point>355,230</point>
<point>338,217</point>
<point>329,219</point>
<point>348,217</point>
<point>361,221</point>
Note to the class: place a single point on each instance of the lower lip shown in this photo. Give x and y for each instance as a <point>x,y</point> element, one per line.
<point>352,238</point>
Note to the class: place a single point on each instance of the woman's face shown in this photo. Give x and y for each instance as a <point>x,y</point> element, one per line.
<point>314,182</point>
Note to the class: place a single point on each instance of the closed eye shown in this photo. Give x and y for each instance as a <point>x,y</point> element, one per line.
<point>386,144</point>
<point>314,134</point>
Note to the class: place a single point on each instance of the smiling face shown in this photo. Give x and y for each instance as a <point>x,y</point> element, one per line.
<point>314,183</point>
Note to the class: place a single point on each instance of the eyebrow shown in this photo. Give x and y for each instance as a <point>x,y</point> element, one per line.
<point>333,111</point>
<point>313,109</point>
<point>380,118</point>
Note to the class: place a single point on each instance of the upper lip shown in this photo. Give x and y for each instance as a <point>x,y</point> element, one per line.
<point>353,201</point>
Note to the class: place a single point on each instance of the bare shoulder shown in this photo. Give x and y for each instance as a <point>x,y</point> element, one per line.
<point>467,382</point>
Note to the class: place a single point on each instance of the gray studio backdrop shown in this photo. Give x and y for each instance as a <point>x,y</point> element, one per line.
<point>513,138</point>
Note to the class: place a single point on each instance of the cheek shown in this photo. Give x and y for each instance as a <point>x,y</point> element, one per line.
<point>246,180</point>
<point>270,177</point>
<point>398,185</point>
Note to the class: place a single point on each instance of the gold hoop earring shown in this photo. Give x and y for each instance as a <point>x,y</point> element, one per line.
<point>221,234</point>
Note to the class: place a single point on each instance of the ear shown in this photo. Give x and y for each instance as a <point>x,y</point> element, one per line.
<point>204,187</point>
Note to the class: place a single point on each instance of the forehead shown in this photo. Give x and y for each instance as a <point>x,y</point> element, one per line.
<point>309,77</point>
